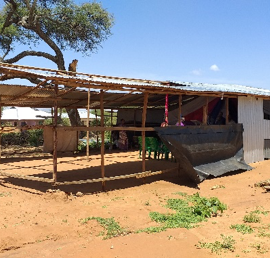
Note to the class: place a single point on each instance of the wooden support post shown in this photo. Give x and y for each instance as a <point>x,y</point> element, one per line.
<point>55,137</point>
<point>102,149</point>
<point>205,112</point>
<point>145,101</point>
<point>0,134</point>
<point>87,121</point>
<point>111,139</point>
<point>179,109</point>
<point>227,111</point>
<point>97,139</point>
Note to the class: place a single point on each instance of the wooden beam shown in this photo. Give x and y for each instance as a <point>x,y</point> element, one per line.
<point>102,149</point>
<point>100,128</point>
<point>205,112</point>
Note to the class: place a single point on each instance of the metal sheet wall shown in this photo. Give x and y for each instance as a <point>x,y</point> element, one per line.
<point>256,129</point>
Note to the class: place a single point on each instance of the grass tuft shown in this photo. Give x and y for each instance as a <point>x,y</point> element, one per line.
<point>111,227</point>
<point>242,228</point>
<point>227,244</point>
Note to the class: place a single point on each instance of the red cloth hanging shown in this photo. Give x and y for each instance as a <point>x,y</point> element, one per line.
<point>167,109</point>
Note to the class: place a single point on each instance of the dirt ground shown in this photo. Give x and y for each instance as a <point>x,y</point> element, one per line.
<point>38,222</point>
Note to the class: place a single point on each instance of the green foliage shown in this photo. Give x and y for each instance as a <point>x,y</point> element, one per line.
<point>207,207</point>
<point>30,137</point>
<point>242,228</point>
<point>63,121</point>
<point>189,211</point>
<point>35,137</point>
<point>227,244</point>
<point>112,228</point>
<point>259,211</point>
<point>260,248</point>
<point>252,218</point>
<point>263,231</point>
<point>150,230</point>
<point>70,26</point>
<point>5,194</point>
<point>181,194</point>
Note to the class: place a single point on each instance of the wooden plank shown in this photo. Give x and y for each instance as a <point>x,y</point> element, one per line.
<point>137,175</point>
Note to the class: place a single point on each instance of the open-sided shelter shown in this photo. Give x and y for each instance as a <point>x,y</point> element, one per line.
<point>146,101</point>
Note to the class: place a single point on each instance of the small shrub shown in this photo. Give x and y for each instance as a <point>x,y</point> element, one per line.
<point>252,218</point>
<point>242,228</point>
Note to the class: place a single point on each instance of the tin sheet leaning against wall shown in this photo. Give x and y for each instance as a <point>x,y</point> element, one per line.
<point>207,150</point>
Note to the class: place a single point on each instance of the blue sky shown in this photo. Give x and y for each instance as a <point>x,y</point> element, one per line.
<point>210,41</point>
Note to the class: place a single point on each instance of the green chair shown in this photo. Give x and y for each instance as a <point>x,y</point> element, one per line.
<point>151,145</point>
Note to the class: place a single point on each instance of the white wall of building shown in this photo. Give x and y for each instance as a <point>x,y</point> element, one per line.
<point>256,128</point>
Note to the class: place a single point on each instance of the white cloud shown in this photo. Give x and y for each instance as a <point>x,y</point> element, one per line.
<point>197,72</point>
<point>214,68</point>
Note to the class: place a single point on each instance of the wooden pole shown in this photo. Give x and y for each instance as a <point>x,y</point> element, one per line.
<point>96,124</point>
<point>0,134</point>
<point>145,101</point>
<point>227,110</point>
<point>102,149</point>
<point>55,137</point>
<point>87,121</point>
<point>179,108</point>
<point>111,139</point>
<point>205,112</point>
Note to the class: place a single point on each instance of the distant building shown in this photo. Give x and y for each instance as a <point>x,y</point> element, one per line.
<point>21,116</point>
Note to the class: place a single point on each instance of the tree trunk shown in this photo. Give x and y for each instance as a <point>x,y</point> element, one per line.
<point>74,116</point>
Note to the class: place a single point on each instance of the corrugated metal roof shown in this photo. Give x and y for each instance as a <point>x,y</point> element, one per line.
<point>118,92</point>
<point>226,88</point>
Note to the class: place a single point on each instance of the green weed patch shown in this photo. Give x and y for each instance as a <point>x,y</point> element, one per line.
<point>189,211</point>
<point>112,228</point>
<point>227,244</point>
<point>242,228</point>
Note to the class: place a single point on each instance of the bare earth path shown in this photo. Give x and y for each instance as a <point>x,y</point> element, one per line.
<point>38,223</point>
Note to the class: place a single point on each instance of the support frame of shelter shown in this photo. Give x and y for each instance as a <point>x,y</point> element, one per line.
<point>145,99</point>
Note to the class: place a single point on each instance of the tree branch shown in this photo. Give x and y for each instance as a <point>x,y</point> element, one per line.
<point>9,77</point>
<point>8,21</point>
<point>30,53</point>
<point>59,58</point>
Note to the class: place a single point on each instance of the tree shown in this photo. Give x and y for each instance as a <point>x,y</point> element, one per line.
<point>61,24</point>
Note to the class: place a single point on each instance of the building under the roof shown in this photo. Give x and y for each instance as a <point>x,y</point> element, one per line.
<point>142,104</point>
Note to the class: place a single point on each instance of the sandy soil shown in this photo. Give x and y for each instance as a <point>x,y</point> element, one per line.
<point>35,222</point>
